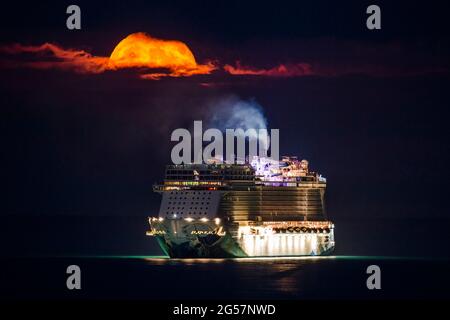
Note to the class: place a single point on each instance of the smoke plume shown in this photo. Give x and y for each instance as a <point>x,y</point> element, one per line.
<point>232,112</point>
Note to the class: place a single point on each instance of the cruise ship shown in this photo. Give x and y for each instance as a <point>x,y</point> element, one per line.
<point>262,208</point>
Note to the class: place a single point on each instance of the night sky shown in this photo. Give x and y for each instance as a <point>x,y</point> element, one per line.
<point>372,116</point>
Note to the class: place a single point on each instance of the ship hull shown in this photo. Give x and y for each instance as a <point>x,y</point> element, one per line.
<point>182,239</point>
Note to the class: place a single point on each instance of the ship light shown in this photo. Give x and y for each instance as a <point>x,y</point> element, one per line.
<point>204,219</point>
<point>189,219</point>
<point>217,220</point>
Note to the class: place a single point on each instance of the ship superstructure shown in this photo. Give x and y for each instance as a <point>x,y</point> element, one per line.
<point>260,208</point>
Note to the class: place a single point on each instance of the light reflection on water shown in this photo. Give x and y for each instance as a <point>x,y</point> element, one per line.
<point>190,261</point>
<point>312,277</point>
<point>264,274</point>
<point>153,258</point>
<point>274,262</point>
<point>287,277</point>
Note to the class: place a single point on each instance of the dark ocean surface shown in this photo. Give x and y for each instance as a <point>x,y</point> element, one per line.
<point>335,277</point>
<point>118,261</point>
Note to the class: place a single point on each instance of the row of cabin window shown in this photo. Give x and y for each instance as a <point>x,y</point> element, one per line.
<point>167,213</point>
<point>191,208</point>
<point>201,172</point>
<point>207,203</point>
<point>210,178</point>
<point>194,192</point>
<point>185,198</point>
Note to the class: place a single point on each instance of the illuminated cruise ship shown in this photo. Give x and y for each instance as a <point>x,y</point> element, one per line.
<point>262,208</point>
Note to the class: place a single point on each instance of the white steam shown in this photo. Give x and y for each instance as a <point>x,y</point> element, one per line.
<point>234,113</point>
